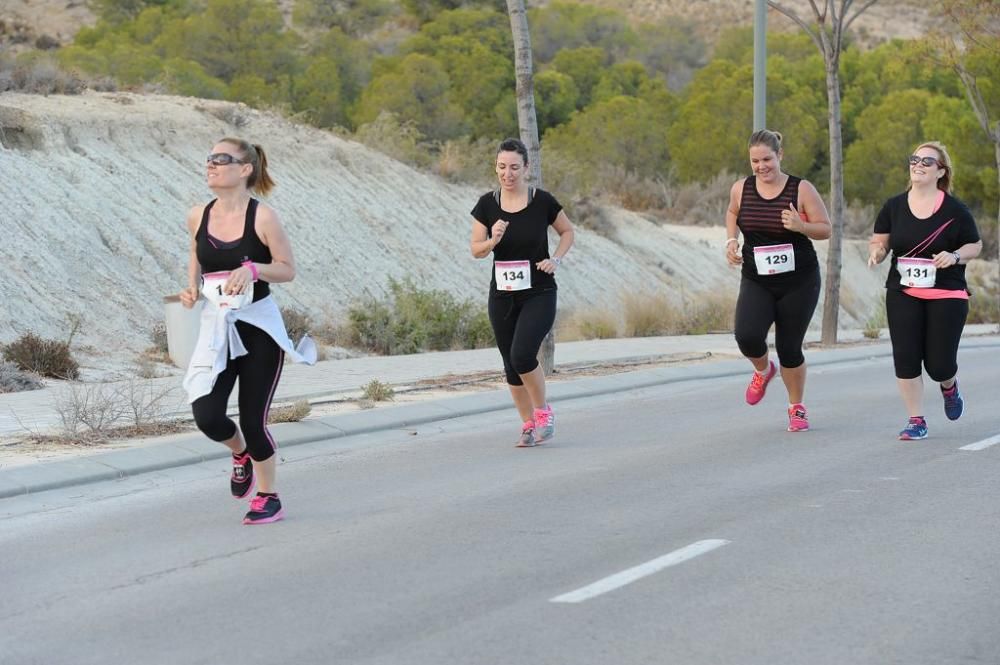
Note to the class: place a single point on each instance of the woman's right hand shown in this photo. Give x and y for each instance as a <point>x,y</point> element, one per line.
<point>876,254</point>
<point>733,255</point>
<point>497,231</point>
<point>189,296</point>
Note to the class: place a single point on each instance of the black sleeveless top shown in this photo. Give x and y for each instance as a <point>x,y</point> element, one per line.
<point>215,255</point>
<point>759,220</point>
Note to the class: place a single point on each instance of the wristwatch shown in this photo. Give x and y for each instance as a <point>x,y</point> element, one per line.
<point>557,260</point>
<point>958,257</point>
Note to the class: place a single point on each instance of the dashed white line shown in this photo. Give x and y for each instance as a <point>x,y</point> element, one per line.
<point>985,443</point>
<point>619,580</point>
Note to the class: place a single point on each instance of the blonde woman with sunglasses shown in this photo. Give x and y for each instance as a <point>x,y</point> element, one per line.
<point>931,236</point>
<point>238,249</point>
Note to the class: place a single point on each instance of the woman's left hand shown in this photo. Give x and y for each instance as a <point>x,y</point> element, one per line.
<point>547,265</point>
<point>792,220</point>
<point>238,281</point>
<point>944,260</point>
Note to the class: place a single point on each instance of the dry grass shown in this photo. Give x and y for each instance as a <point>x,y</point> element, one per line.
<point>46,357</point>
<point>290,413</point>
<point>653,314</point>
<point>984,285</point>
<point>593,323</point>
<point>376,391</point>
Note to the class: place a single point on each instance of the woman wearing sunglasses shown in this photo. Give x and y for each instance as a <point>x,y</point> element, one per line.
<point>238,249</point>
<point>779,216</point>
<point>932,235</point>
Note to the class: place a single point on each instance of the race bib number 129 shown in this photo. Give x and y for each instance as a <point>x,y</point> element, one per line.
<point>774,259</point>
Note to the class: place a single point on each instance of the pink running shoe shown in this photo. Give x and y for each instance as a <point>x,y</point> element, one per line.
<point>527,439</point>
<point>264,509</point>
<point>758,384</point>
<point>798,421</point>
<point>545,424</point>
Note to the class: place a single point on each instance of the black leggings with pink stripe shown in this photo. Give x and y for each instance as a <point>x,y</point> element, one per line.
<point>258,372</point>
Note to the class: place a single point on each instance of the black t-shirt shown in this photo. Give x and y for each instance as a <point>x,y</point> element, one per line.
<point>906,232</point>
<point>759,220</point>
<point>526,238</point>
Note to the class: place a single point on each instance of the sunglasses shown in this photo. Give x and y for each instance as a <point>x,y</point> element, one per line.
<point>223,159</point>
<point>924,161</point>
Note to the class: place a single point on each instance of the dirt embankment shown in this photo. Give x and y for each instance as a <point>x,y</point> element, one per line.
<point>95,189</point>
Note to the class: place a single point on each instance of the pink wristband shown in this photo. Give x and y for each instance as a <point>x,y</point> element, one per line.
<point>252,267</point>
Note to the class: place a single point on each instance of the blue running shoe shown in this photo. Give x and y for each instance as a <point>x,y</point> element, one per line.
<point>915,429</point>
<point>954,405</point>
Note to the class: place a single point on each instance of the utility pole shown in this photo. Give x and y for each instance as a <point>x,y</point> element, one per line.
<point>760,65</point>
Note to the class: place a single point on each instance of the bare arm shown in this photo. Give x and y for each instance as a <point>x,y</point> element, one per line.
<point>733,255</point>
<point>878,249</point>
<point>812,208</point>
<point>482,243</point>
<point>272,234</point>
<point>189,294</point>
<point>567,235</point>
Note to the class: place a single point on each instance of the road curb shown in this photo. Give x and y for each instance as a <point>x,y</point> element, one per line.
<point>195,448</point>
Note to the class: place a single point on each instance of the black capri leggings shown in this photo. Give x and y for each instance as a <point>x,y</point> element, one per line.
<point>925,331</point>
<point>258,372</point>
<point>520,323</point>
<point>789,307</point>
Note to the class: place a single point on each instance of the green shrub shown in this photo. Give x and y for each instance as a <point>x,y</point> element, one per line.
<point>412,320</point>
<point>47,357</point>
<point>376,391</point>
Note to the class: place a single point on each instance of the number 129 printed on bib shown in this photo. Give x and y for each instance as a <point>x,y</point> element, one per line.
<point>774,259</point>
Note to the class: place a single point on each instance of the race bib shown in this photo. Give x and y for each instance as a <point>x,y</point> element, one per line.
<point>212,288</point>
<point>916,273</point>
<point>513,275</point>
<point>774,259</point>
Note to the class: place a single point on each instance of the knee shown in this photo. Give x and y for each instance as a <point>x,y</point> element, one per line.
<point>941,371</point>
<point>215,425</point>
<point>791,356</point>
<point>752,345</point>
<point>524,363</point>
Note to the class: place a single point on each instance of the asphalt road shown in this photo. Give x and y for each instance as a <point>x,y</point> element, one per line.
<point>673,524</point>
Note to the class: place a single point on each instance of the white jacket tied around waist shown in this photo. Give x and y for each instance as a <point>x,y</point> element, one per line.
<point>218,341</point>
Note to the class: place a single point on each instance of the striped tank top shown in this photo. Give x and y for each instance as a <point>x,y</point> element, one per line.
<point>759,220</point>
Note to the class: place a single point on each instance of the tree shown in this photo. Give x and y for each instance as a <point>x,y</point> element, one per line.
<point>971,47</point>
<point>527,122</point>
<point>832,22</point>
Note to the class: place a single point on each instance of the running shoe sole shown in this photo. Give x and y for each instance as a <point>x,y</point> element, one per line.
<point>266,520</point>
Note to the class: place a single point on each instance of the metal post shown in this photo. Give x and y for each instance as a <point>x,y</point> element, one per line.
<point>760,65</point>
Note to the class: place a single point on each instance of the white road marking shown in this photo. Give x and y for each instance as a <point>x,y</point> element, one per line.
<point>985,443</point>
<point>619,580</point>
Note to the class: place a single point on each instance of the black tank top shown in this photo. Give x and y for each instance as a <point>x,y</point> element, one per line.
<point>229,256</point>
<point>760,221</point>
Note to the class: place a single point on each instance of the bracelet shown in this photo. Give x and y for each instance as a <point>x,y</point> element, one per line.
<point>958,257</point>
<point>729,241</point>
<point>252,267</point>
<point>557,260</point>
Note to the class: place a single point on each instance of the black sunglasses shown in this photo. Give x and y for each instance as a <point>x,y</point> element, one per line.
<point>223,159</point>
<point>924,161</point>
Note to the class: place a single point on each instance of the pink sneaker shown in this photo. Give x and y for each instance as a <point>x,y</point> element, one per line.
<point>545,424</point>
<point>798,421</point>
<point>758,384</point>
<point>527,439</point>
<point>264,510</point>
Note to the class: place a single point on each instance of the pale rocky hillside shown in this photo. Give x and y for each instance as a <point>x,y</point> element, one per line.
<point>95,188</point>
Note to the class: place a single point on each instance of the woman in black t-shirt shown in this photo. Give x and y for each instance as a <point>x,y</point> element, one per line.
<point>932,235</point>
<point>512,223</point>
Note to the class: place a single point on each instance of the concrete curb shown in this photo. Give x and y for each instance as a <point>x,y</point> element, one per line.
<point>195,448</point>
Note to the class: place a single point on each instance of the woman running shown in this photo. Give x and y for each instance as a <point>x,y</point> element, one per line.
<point>239,248</point>
<point>932,235</point>
<point>779,216</point>
<point>512,223</point>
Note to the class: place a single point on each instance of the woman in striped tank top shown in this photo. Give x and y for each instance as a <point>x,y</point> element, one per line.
<point>779,215</point>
